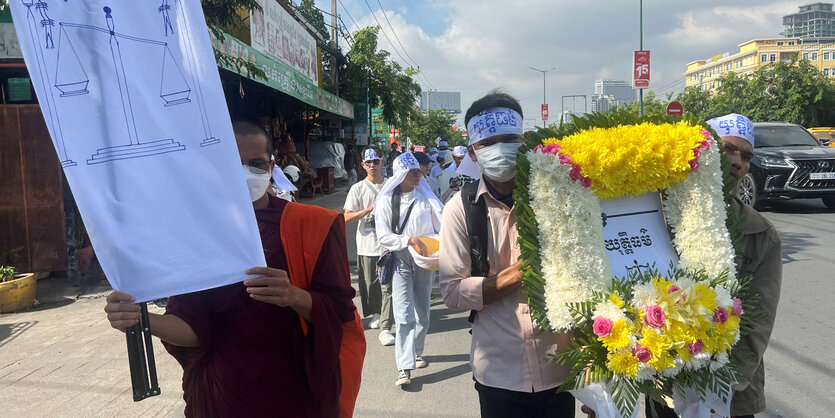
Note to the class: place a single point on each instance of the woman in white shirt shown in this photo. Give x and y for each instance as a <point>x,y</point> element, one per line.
<point>418,213</point>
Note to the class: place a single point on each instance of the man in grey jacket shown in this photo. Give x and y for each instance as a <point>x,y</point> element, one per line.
<point>760,257</point>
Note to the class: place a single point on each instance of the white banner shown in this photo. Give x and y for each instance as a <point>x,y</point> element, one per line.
<point>277,34</point>
<point>132,98</point>
<point>635,235</point>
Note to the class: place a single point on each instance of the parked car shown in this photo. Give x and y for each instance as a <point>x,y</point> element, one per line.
<point>788,163</point>
<point>825,135</point>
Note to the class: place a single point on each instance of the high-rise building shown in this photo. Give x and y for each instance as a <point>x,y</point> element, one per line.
<point>757,53</point>
<point>620,90</point>
<point>611,93</point>
<point>813,21</point>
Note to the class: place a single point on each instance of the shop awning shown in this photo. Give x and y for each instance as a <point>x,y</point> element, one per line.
<point>283,78</point>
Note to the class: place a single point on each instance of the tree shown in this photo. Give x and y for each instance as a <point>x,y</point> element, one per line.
<point>314,16</point>
<point>223,14</point>
<point>696,101</point>
<point>435,124</point>
<point>386,83</point>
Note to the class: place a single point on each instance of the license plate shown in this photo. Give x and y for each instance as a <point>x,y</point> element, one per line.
<point>821,176</point>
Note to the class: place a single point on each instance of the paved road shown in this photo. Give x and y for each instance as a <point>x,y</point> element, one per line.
<point>63,359</point>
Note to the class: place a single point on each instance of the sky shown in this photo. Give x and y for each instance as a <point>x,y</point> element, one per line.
<point>474,46</point>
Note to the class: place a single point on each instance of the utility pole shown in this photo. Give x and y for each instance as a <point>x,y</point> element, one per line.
<point>335,39</point>
<point>641,48</point>
<point>543,85</point>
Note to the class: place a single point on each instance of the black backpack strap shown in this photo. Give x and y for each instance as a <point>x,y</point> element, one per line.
<point>395,208</point>
<point>475,215</point>
<point>395,212</point>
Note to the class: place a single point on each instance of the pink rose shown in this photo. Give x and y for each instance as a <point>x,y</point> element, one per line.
<point>696,152</point>
<point>704,144</point>
<point>655,316</point>
<point>693,164</point>
<point>565,159</point>
<point>538,148</point>
<point>673,288</point>
<point>705,133</point>
<point>720,315</point>
<point>602,326</point>
<point>737,308</point>
<point>552,148</point>
<point>643,354</point>
<point>696,347</point>
<point>586,182</point>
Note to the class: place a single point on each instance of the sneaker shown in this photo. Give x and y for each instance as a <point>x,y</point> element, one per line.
<point>420,363</point>
<point>403,378</point>
<point>375,321</point>
<point>386,338</point>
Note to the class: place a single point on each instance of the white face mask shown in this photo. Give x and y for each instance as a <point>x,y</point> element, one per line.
<point>257,181</point>
<point>498,161</point>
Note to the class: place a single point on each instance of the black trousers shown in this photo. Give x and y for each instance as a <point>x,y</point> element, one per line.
<point>503,403</point>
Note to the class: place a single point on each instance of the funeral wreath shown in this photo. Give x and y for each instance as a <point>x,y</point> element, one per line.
<point>665,331</point>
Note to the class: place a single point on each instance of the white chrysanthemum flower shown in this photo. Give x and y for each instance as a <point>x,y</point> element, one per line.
<point>645,373</point>
<point>723,297</point>
<point>643,295</point>
<point>719,361</point>
<point>609,310</point>
<point>675,370</point>
<point>698,361</point>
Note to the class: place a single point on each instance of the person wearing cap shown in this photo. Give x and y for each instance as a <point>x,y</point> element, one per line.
<point>509,352</point>
<point>425,168</point>
<point>375,298</point>
<point>406,209</point>
<point>761,259</point>
<point>458,154</point>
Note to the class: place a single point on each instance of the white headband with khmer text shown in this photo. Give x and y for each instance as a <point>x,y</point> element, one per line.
<point>492,122</point>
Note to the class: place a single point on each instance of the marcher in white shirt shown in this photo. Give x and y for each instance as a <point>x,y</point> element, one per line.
<point>375,297</point>
<point>419,213</point>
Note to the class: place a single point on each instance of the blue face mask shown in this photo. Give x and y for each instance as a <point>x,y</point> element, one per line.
<point>498,161</point>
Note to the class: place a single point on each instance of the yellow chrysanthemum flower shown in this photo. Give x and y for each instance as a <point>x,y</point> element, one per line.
<point>616,299</point>
<point>620,336</point>
<point>632,159</point>
<point>705,297</point>
<point>623,363</point>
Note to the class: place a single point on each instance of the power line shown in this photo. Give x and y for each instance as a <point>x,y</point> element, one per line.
<point>419,73</point>
<point>349,14</point>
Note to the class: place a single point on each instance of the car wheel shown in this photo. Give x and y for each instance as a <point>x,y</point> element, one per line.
<point>746,190</point>
<point>829,202</point>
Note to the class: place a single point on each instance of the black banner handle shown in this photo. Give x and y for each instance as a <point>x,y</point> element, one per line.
<point>143,369</point>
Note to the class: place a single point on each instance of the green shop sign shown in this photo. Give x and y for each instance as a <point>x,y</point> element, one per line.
<point>283,78</point>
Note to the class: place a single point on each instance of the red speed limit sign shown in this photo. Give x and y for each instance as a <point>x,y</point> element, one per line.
<point>640,70</point>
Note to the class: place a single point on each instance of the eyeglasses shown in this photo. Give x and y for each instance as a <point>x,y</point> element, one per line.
<point>372,162</point>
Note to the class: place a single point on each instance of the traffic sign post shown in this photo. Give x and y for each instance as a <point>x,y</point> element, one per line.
<point>674,108</point>
<point>544,112</point>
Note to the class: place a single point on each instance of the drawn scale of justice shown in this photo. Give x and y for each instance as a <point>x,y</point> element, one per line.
<point>72,80</point>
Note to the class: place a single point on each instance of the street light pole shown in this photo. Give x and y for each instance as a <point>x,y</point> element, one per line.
<point>543,84</point>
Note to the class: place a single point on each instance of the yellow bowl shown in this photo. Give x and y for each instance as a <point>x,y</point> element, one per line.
<point>433,245</point>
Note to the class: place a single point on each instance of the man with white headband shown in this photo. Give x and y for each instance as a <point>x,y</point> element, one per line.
<point>480,272</point>
<point>761,259</point>
<point>406,209</point>
<point>375,297</point>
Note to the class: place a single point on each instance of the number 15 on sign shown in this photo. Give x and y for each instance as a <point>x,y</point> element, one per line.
<point>640,67</point>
